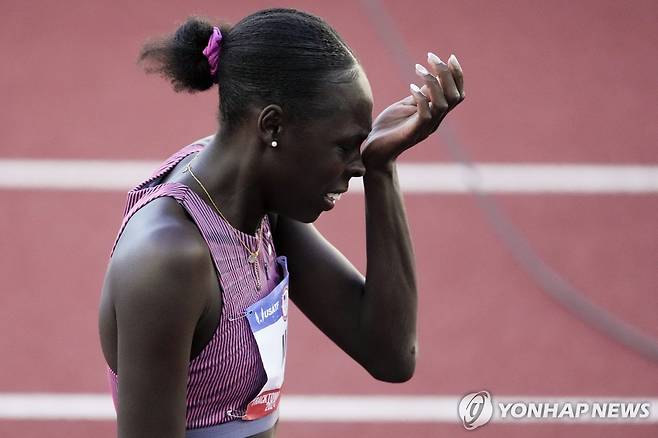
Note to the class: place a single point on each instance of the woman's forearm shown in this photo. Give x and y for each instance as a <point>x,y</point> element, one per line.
<point>389,304</point>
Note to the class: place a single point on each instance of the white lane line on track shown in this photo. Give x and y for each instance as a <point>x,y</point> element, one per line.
<point>307,408</point>
<point>115,175</point>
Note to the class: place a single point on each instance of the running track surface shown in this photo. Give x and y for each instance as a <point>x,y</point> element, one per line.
<point>558,82</point>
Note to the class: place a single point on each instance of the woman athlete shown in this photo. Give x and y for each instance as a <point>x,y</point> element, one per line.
<point>193,313</point>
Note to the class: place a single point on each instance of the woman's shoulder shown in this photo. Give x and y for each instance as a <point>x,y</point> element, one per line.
<point>160,250</point>
<point>163,222</point>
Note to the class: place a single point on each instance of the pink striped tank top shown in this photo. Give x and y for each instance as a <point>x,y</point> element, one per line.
<point>228,373</point>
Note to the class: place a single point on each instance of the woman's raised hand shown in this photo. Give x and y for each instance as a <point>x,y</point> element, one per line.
<point>412,119</point>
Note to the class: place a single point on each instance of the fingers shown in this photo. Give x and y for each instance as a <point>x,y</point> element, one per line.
<point>457,74</point>
<point>409,100</point>
<point>452,93</point>
<point>421,102</point>
<point>433,90</point>
<point>442,90</point>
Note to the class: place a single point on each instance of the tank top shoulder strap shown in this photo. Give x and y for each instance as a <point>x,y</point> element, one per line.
<point>146,191</point>
<point>169,164</point>
<point>139,198</point>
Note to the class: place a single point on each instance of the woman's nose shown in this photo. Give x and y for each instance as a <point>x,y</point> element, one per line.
<point>356,167</point>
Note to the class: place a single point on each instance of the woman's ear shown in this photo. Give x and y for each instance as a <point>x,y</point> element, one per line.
<point>270,125</point>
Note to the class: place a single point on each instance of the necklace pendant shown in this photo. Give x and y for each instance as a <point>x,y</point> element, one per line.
<point>253,258</point>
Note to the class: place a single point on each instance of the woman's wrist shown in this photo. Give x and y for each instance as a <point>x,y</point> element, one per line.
<point>380,179</point>
<point>385,170</point>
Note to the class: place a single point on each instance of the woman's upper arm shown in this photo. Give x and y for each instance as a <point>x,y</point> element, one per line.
<point>158,286</point>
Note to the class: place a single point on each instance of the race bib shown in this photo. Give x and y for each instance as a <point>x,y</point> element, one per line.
<point>268,320</point>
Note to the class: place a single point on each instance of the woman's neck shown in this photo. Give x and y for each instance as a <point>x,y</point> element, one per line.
<point>229,170</point>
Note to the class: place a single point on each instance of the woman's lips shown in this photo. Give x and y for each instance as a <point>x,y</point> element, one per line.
<point>331,198</point>
<point>334,196</point>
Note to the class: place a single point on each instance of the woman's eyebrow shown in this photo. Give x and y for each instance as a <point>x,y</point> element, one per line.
<point>359,136</point>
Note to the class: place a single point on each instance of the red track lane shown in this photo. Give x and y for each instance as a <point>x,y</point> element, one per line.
<point>447,430</point>
<point>79,429</point>
<point>57,429</point>
<point>553,82</point>
<point>483,322</point>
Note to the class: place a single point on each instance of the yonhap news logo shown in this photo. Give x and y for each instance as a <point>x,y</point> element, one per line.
<point>478,408</point>
<point>475,409</point>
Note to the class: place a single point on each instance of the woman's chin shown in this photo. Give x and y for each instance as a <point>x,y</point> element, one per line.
<point>309,217</point>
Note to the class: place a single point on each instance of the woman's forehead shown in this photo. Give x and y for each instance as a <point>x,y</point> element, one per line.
<point>356,92</point>
<point>352,101</point>
<point>347,109</point>
<point>350,116</point>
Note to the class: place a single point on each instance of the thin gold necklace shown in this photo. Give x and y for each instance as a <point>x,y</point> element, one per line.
<point>253,255</point>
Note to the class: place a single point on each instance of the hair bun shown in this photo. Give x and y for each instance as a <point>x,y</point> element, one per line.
<point>180,57</point>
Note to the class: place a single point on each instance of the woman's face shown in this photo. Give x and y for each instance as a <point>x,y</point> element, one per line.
<point>315,160</point>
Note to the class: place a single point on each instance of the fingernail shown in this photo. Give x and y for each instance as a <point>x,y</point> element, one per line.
<point>414,88</point>
<point>422,71</point>
<point>431,57</point>
<point>453,60</point>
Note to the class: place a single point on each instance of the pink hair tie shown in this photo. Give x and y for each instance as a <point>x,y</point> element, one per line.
<point>212,50</point>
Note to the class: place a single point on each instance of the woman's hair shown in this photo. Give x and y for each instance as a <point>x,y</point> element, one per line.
<point>274,56</point>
